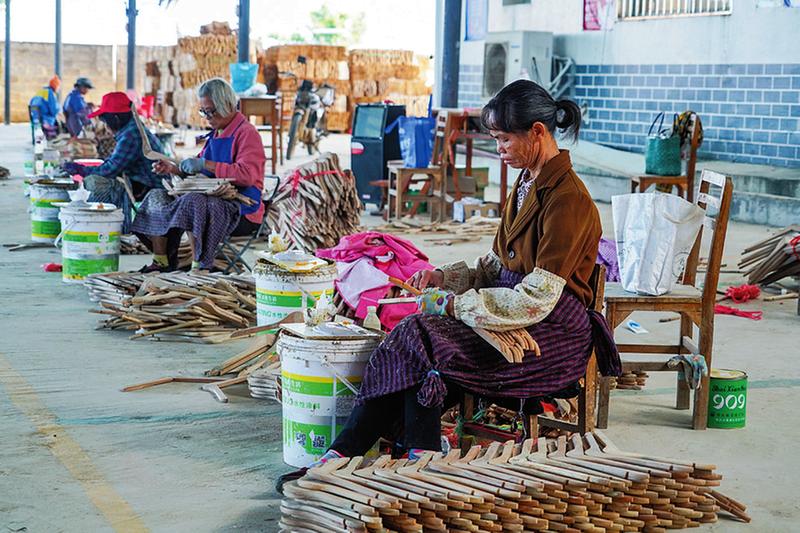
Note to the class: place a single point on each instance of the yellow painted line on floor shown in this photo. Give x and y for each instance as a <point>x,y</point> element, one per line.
<point>116,510</point>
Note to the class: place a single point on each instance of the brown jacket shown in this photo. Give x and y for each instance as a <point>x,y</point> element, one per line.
<point>558,228</point>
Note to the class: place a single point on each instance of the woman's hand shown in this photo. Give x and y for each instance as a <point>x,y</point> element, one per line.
<point>427,278</point>
<point>166,167</point>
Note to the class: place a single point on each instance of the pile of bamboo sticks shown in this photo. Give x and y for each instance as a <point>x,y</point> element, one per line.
<point>774,258</point>
<point>316,205</point>
<point>204,308</point>
<point>584,484</point>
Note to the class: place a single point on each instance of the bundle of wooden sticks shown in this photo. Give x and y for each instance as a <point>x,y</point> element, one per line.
<point>774,258</point>
<point>584,484</point>
<point>205,308</point>
<point>316,205</point>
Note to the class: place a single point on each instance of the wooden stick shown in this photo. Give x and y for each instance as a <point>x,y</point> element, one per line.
<point>405,286</point>
<point>163,381</point>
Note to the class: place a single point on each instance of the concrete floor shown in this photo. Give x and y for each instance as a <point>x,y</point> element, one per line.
<point>76,454</point>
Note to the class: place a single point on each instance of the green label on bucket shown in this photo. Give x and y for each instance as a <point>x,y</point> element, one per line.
<point>80,268</point>
<point>81,236</point>
<point>727,402</point>
<point>45,228</point>
<point>316,386</point>
<point>285,298</point>
<point>313,438</point>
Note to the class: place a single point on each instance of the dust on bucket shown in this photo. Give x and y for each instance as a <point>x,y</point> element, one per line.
<point>316,381</point>
<point>727,399</point>
<point>278,291</point>
<point>45,225</point>
<point>89,240</point>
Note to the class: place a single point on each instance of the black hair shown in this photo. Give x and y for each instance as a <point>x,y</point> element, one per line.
<point>116,121</point>
<point>522,103</point>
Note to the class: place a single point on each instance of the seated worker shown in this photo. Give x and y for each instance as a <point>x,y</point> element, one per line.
<point>44,107</point>
<point>536,277</point>
<point>75,107</point>
<point>127,161</point>
<point>233,151</point>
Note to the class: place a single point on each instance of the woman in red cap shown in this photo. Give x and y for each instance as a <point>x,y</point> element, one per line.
<point>233,151</point>
<point>126,162</point>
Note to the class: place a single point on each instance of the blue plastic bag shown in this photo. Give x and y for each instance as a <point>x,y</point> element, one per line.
<point>243,76</point>
<point>416,139</point>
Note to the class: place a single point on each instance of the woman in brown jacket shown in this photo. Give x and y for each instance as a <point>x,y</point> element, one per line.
<point>536,277</point>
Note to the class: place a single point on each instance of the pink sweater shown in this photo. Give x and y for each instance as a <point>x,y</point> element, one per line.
<point>248,159</point>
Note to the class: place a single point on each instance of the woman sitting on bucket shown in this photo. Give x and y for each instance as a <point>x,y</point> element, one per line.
<point>535,277</point>
<point>234,152</point>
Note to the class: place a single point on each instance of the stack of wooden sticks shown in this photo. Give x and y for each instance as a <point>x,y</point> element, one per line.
<point>205,308</point>
<point>316,205</point>
<point>584,484</point>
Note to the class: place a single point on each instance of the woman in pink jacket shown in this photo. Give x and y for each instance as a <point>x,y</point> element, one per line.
<point>233,151</point>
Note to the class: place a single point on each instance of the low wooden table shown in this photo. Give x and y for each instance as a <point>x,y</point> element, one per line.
<point>269,108</point>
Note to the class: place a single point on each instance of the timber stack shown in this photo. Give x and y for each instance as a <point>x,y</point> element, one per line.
<point>396,75</point>
<point>323,64</point>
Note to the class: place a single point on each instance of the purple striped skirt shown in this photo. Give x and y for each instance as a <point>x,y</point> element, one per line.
<point>208,218</point>
<point>432,349</point>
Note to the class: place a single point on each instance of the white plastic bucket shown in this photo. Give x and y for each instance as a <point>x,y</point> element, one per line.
<point>45,226</point>
<point>278,292</point>
<point>89,242</point>
<point>316,381</point>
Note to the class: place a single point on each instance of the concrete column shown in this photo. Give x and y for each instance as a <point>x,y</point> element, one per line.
<point>450,52</point>
<point>58,39</point>
<point>244,31</point>
<point>131,12</point>
<point>7,67</point>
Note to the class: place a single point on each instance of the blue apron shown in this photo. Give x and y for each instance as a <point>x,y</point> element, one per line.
<point>220,150</point>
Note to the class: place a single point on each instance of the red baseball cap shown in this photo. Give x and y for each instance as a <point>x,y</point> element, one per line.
<point>116,102</point>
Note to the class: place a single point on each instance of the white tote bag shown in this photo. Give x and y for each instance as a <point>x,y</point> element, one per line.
<point>654,233</point>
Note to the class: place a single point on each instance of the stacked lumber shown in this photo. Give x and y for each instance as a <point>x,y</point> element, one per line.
<point>581,484</point>
<point>324,64</point>
<point>635,380</point>
<point>774,258</point>
<point>316,205</point>
<point>175,306</point>
<point>211,56</point>
<point>396,75</point>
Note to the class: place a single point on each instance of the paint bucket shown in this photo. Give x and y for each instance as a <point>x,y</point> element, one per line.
<point>89,241</point>
<point>317,382</point>
<point>45,226</point>
<point>278,291</point>
<point>727,399</point>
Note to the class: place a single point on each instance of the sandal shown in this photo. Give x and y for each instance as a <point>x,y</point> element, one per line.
<point>286,478</point>
<point>154,267</point>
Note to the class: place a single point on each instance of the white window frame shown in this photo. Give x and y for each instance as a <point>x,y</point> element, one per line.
<point>659,9</point>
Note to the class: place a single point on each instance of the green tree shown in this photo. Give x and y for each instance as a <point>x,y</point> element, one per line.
<point>336,28</point>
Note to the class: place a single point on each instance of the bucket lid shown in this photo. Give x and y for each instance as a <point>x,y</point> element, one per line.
<point>724,373</point>
<point>84,207</point>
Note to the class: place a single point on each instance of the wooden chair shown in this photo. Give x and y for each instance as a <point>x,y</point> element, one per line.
<point>435,180</point>
<point>695,306</point>
<point>587,392</point>
<point>684,183</point>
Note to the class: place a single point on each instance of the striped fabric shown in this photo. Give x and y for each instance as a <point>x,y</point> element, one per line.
<point>430,349</point>
<point>210,219</point>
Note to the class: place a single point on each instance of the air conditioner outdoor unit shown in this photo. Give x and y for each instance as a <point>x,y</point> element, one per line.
<point>508,56</point>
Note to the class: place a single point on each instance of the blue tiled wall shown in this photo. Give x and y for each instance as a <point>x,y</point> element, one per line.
<point>750,113</point>
<point>470,85</point>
